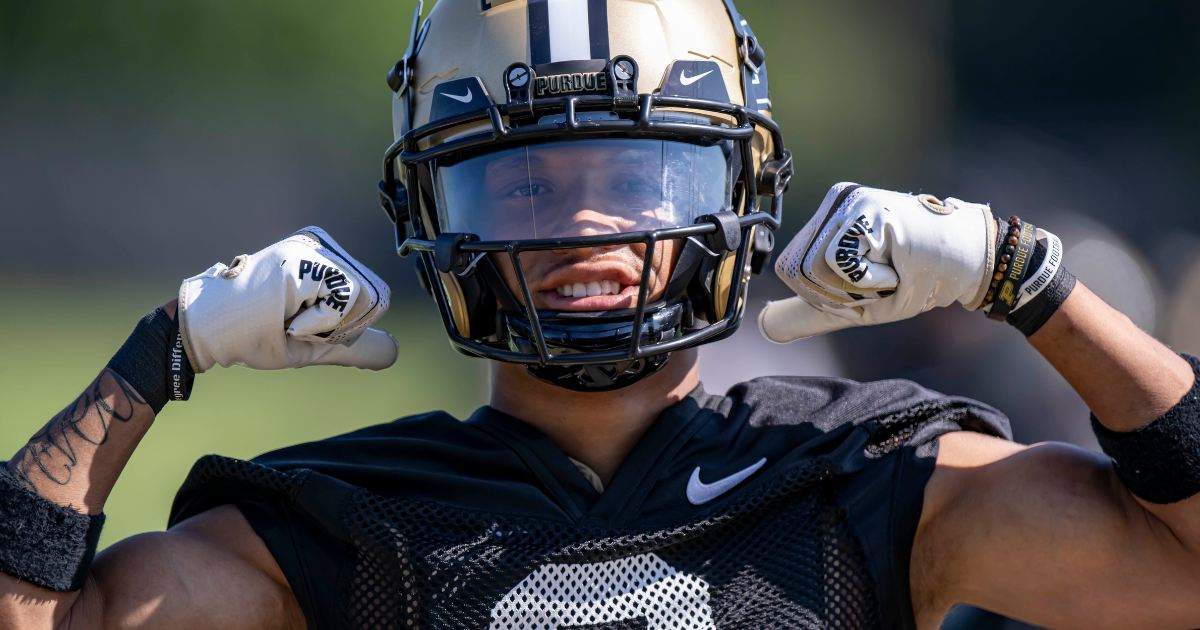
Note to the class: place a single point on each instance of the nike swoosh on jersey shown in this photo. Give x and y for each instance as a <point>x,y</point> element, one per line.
<point>466,98</point>
<point>686,80</point>
<point>699,493</point>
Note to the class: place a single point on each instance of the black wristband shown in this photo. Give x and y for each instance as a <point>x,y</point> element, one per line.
<point>153,361</point>
<point>180,375</point>
<point>1160,462</point>
<point>1037,312</point>
<point>42,542</point>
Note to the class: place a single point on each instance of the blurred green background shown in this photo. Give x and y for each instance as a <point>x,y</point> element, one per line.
<point>143,140</point>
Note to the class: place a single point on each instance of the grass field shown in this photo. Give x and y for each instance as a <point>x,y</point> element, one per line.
<point>59,335</point>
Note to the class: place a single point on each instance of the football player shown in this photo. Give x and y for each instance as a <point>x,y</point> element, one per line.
<point>586,187</point>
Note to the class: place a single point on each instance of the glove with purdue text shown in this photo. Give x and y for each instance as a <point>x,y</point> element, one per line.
<point>871,256</point>
<point>302,301</point>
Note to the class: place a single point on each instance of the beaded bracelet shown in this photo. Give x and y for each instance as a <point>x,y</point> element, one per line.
<point>1010,269</point>
<point>1001,266</point>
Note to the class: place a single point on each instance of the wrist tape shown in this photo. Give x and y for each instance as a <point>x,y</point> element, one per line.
<point>1160,462</point>
<point>153,361</point>
<point>44,543</point>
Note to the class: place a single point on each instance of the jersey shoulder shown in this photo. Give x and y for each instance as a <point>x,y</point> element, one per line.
<point>829,403</point>
<point>427,451</point>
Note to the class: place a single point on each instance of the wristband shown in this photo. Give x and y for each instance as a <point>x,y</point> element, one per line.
<point>1045,288</point>
<point>179,370</point>
<point>42,542</point>
<point>1032,315</point>
<point>1160,462</point>
<point>153,361</point>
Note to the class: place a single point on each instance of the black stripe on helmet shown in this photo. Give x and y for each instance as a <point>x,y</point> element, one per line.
<point>539,32</point>
<point>598,28</point>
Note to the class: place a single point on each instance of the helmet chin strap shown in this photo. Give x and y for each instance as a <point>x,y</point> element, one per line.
<point>571,334</point>
<point>604,377</point>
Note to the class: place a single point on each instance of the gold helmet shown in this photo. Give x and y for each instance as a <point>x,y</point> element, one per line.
<point>535,126</point>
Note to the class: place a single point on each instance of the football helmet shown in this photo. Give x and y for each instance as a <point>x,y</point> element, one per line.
<point>584,131</point>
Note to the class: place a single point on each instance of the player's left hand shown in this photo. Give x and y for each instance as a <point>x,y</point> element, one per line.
<point>871,256</point>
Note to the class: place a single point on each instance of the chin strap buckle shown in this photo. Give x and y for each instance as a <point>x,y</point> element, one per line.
<point>448,258</point>
<point>394,205</point>
<point>728,236</point>
<point>776,176</point>
<point>761,248</point>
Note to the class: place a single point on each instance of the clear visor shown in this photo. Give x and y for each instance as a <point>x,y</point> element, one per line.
<point>583,188</point>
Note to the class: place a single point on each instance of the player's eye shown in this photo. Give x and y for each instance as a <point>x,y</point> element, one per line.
<point>637,186</point>
<point>529,190</point>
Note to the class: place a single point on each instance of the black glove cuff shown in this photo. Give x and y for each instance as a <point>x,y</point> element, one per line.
<point>1160,462</point>
<point>42,542</point>
<point>153,361</point>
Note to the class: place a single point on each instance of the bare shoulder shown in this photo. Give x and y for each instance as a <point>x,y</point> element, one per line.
<point>210,571</point>
<point>976,469</point>
<point>225,528</point>
<point>994,512</point>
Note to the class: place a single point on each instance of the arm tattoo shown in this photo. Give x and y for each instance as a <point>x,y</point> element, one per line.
<point>52,450</point>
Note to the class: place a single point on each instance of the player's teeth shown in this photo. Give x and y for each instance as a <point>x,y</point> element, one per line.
<point>578,290</point>
<point>593,288</point>
<point>565,290</point>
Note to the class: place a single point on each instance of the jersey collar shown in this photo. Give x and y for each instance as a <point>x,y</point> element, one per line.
<point>635,477</point>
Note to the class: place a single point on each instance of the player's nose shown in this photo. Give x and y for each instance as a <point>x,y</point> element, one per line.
<point>594,223</point>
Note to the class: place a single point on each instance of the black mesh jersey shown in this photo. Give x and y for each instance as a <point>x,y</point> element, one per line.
<point>788,503</point>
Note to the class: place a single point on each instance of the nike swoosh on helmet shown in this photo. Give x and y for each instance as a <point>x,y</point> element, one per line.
<point>466,98</point>
<point>686,80</point>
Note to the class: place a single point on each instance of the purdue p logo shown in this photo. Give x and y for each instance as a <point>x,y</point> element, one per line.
<point>1007,293</point>
<point>637,588</point>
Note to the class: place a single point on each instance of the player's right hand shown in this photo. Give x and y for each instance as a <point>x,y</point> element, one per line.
<point>302,301</point>
<point>872,256</point>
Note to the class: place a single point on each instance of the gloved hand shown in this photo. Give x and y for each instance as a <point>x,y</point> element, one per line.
<point>302,301</point>
<point>871,256</point>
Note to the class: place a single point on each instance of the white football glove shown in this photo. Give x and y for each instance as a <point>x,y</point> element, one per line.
<point>302,301</point>
<point>871,256</point>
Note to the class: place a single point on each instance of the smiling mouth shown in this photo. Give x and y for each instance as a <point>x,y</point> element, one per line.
<point>591,289</point>
<point>597,295</point>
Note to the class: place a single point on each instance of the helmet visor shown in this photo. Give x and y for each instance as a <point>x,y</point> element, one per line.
<point>583,188</point>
